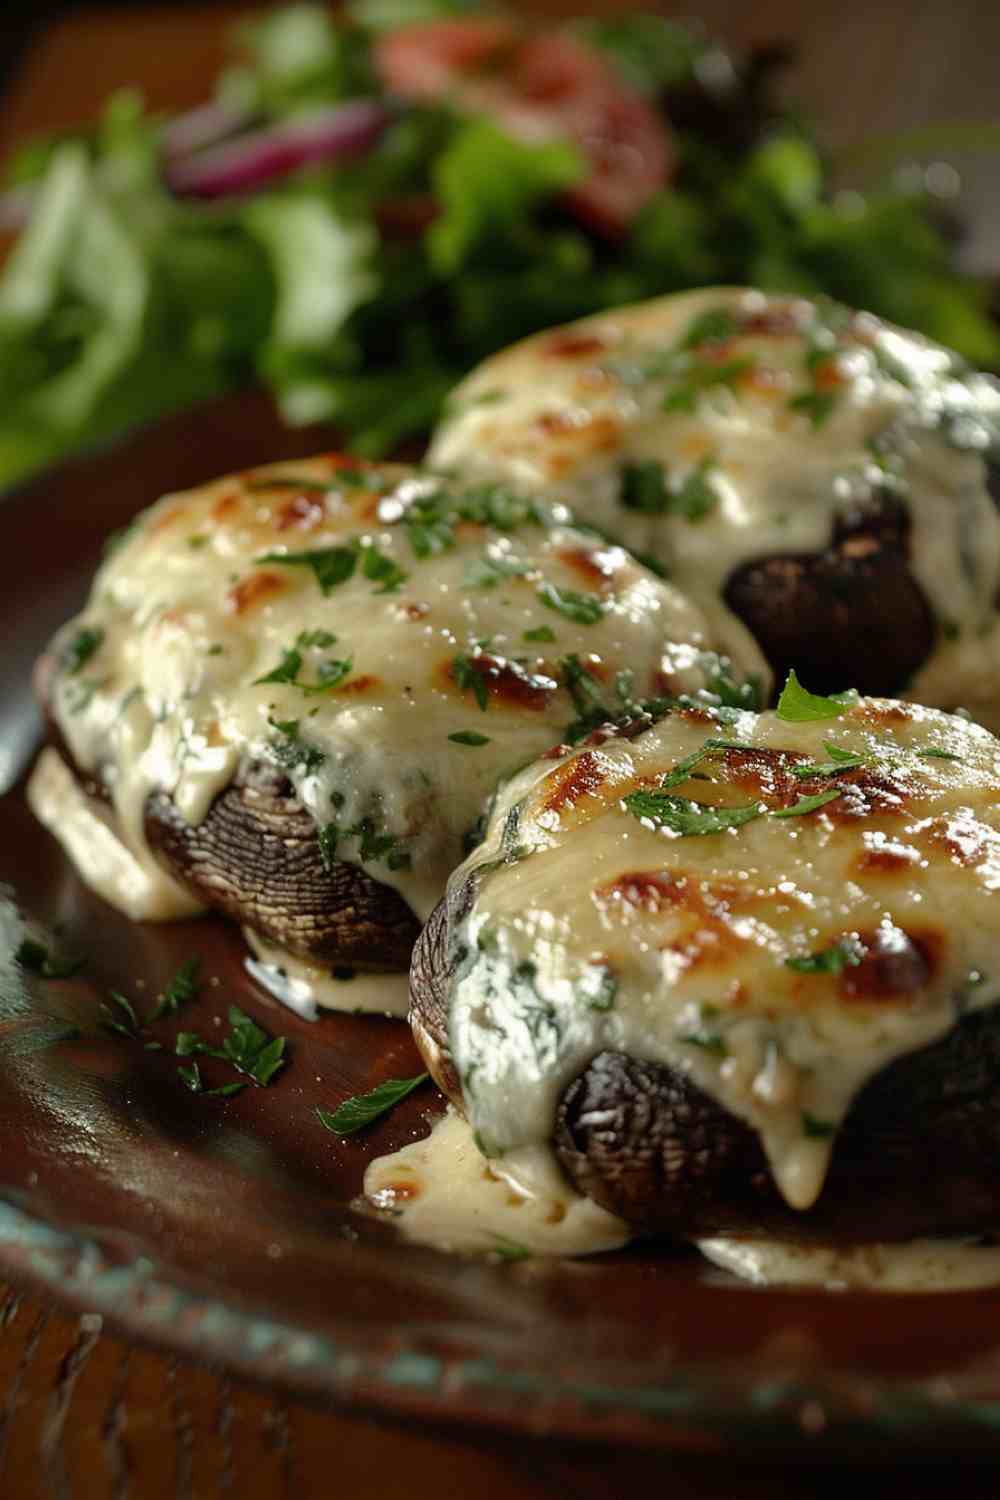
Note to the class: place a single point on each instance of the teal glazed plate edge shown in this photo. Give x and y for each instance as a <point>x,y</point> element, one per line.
<point>224,1228</point>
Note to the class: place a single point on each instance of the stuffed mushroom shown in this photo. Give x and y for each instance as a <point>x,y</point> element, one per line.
<point>293,691</point>
<point>738,975</point>
<point>811,475</point>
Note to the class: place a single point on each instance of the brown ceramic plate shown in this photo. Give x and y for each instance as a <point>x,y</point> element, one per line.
<point>223,1226</point>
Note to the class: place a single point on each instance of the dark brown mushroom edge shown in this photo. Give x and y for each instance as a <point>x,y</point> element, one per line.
<point>824,475</point>
<point>908,839</point>
<point>294,690</point>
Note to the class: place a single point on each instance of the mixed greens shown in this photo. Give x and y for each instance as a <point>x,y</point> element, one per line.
<point>357,248</point>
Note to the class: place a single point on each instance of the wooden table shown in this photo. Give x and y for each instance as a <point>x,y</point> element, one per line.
<point>84,1414</point>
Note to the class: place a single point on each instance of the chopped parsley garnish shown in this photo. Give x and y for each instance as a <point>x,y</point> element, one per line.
<point>935,754</point>
<point>290,751</point>
<point>182,988</point>
<point>816,405</point>
<point>683,396</point>
<point>583,609</point>
<point>374,844</point>
<point>686,818</point>
<point>123,1020</point>
<point>808,804</point>
<point>798,706</point>
<point>713,326</point>
<point>363,1109</point>
<point>330,566</point>
<point>540,633</point>
<point>469,737</point>
<point>329,674</point>
<point>198,540</point>
<point>466,676</point>
<point>600,989</point>
<point>840,760</point>
<point>40,960</point>
<point>585,692</point>
<point>382,570</point>
<point>644,487</point>
<point>706,1035</point>
<point>486,572</point>
<point>287,669</point>
<point>78,651</point>
<point>509,1249</point>
<point>247,1047</point>
<point>695,497</point>
<point>846,952</point>
<point>328,838</point>
<point>817,1129</point>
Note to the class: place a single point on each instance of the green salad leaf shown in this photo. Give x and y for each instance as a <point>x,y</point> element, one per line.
<point>360,290</point>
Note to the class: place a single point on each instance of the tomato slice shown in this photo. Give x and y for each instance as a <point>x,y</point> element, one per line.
<point>543,85</point>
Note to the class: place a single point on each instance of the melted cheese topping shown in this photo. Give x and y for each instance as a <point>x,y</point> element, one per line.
<point>770,420</point>
<point>919,1266</point>
<point>307,988</point>
<point>346,626</point>
<point>443,1192</point>
<point>779,962</point>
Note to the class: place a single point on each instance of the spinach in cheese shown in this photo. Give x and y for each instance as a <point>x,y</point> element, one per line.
<point>811,474</point>
<point>383,643</point>
<point>736,927</point>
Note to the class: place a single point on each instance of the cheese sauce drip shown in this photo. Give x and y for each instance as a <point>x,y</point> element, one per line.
<point>393,643</point>
<point>717,427</point>
<point>775,909</point>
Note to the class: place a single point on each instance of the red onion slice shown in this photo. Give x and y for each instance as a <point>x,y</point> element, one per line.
<point>205,126</point>
<point>261,157</point>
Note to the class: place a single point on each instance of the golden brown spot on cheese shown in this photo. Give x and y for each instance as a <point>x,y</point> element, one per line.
<point>225,506</point>
<point>642,890</point>
<point>165,519</point>
<point>828,376</point>
<point>598,565</point>
<point>402,1190</point>
<point>880,713</point>
<point>579,778</point>
<point>303,511</point>
<point>253,590</point>
<point>896,964</point>
<point>506,681</point>
<point>777,320</point>
<point>365,683</point>
<point>963,837</point>
<point>552,423</point>
<point>882,856</point>
<point>568,344</point>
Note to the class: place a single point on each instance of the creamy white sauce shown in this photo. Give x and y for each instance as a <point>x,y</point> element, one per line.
<point>443,1192</point>
<point>565,418</point>
<point>694,933</point>
<point>924,1265</point>
<point>189,614</point>
<point>307,988</point>
<point>125,877</point>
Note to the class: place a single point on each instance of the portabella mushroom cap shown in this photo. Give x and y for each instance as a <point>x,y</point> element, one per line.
<point>775,1015</point>
<point>836,463</point>
<point>255,856</point>
<point>294,732</point>
<point>915,1156</point>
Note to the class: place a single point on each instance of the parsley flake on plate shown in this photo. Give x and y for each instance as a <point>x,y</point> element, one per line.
<point>363,1109</point>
